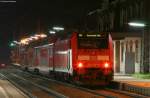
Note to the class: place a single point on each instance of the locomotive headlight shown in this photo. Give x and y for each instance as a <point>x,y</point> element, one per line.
<point>106,65</point>
<point>80,65</point>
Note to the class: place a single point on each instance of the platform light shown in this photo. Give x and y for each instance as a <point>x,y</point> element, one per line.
<point>16,42</point>
<point>43,35</point>
<point>30,39</point>
<point>136,24</point>
<point>12,44</point>
<point>58,28</point>
<point>34,37</point>
<point>24,41</point>
<point>37,35</point>
<point>52,32</point>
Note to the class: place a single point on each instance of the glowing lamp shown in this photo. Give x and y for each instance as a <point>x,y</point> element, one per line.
<point>136,24</point>
<point>43,35</point>
<point>106,65</point>
<point>80,65</point>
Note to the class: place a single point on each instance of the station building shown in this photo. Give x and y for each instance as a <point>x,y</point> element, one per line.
<point>127,53</point>
<point>131,44</point>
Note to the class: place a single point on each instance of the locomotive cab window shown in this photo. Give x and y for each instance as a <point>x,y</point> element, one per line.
<point>93,41</point>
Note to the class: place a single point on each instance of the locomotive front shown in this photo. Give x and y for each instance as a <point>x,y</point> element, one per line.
<point>94,58</point>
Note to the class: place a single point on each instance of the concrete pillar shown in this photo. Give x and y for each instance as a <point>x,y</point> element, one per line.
<point>133,45</point>
<point>125,47</point>
<point>136,51</point>
<point>122,44</point>
<point>118,56</point>
<point>114,45</point>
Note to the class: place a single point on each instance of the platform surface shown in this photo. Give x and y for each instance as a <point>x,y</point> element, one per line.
<point>132,80</point>
<point>7,90</point>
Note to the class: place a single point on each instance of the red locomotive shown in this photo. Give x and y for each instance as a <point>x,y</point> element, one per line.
<point>83,57</point>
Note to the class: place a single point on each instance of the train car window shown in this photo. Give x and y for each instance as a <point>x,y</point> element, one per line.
<point>92,41</point>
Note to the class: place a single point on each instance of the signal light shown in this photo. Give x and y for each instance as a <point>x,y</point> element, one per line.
<point>106,65</point>
<point>80,65</point>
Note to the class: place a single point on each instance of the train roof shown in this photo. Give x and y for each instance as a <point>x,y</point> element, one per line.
<point>58,36</point>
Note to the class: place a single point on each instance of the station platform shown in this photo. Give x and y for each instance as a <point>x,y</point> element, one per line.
<point>7,90</point>
<point>132,84</point>
<point>132,80</point>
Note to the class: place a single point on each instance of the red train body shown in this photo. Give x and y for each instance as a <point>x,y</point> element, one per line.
<point>83,57</point>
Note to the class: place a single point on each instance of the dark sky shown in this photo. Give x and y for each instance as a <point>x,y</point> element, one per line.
<point>7,27</point>
<point>48,13</point>
<point>7,21</point>
<point>26,16</point>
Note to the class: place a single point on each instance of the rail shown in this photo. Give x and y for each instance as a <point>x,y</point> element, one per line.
<point>19,87</point>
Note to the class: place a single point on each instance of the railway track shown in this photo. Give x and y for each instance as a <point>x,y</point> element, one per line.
<point>102,91</point>
<point>31,89</point>
<point>69,90</point>
<point>18,86</point>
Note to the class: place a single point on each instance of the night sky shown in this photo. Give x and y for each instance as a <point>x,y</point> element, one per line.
<point>7,27</point>
<point>30,16</point>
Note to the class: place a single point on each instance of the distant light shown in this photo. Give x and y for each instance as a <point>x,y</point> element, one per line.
<point>24,41</point>
<point>91,35</point>
<point>52,32</point>
<point>16,42</point>
<point>8,1</point>
<point>43,35</point>
<point>136,24</point>
<point>37,35</point>
<point>58,28</point>
<point>12,44</point>
<point>34,37</point>
<point>30,39</point>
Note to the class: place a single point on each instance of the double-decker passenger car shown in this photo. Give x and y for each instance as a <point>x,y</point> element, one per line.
<point>83,57</point>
